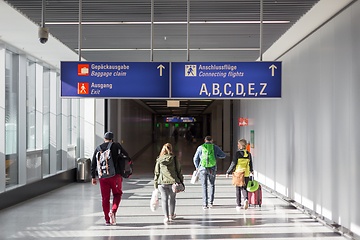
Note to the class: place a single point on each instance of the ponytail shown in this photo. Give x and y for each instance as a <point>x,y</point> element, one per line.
<point>166,149</point>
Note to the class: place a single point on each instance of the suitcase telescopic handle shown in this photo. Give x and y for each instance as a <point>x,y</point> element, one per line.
<point>251,177</point>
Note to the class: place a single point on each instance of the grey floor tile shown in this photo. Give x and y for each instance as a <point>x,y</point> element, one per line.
<point>75,212</point>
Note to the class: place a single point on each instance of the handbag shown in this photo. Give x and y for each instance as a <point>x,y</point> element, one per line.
<point>178,187</point>
<point>195,176</point>
<point>154,202</point>
<point>238,179</point>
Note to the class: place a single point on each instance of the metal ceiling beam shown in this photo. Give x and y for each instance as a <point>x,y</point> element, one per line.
<point>79,36</point>
<point>261,29</point>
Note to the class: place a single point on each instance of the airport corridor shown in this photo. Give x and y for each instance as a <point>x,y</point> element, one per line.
<point>75,212</point>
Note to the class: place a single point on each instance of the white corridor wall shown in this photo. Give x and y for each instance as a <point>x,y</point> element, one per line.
<point>307,142</point>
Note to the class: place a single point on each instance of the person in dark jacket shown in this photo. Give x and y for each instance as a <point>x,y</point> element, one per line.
<point>176,135</point>
<point>188,136</point>
<point>242,161</point>
<point>167,172</point>
<point>109,184</point>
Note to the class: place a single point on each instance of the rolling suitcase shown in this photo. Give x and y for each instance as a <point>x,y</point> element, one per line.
<point>255,198</point>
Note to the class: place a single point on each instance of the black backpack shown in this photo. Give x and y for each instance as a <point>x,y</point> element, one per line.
<point>126,166</point>
<point>105,163</point>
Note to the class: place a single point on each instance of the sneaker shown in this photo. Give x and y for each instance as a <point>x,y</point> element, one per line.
<point>172,217</point>
<point>238,208</point>
<point>112,218</point>
<point>205,207</point>
<point>211,206</point>
<point>166,220</point>
<point>107,223</point>
<point>246,204</point>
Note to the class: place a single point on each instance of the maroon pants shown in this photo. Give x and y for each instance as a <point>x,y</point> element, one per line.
<point>113,184</point>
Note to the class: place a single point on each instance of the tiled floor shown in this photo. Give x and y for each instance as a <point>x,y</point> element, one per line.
<point>75,212</point>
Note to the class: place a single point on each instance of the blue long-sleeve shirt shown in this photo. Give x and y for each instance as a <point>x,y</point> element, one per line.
<point>217,152</point>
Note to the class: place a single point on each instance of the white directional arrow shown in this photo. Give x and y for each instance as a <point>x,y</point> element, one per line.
<point>272,69</point>
<point>161,67</point>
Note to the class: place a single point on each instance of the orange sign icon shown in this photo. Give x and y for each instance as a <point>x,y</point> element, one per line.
<point>83,88</point>
<point>83,69</point>
<point>243,122</point>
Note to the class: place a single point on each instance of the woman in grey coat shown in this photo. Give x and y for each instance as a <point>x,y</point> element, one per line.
<point>167,171</point>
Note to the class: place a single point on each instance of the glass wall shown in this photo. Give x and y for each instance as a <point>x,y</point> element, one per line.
<point>46,121</point>
<point>69,119</point>
<point>11,118</point>
<point>41,129</point>
<point>59,153</point>
<point>31,105</point>
<point>72,117</point>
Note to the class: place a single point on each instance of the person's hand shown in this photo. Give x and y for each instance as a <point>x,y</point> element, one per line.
<point>94,182</point>
<point>227,175</point>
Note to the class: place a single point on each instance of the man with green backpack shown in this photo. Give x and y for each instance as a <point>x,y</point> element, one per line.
<point>205,159</point>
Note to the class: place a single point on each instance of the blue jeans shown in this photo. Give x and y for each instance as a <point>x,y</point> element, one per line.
<point>205,174</point>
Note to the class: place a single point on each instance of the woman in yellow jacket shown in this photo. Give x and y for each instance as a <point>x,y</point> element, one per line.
<point>242,161</point>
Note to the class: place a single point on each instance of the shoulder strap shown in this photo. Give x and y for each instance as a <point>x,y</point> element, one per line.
<point>98,148</point>
<point>176,166</point>
<point>177,173</point>
<point>109,145</point>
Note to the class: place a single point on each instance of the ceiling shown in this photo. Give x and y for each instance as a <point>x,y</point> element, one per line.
<point>120,31</point>
<point>190,108</point>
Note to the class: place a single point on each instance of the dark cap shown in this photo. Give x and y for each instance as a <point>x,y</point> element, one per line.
<point>109,135</point>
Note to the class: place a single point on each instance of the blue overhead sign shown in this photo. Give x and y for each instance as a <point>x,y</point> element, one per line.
<point>115,80</point>
<point>171,119</point>
<point>222,80</point>
<point>189,80</point>
<point>179,119</point>
<point>187,119</point>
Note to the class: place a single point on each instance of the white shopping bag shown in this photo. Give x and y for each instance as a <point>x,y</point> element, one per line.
<point>195,177</point>
<point>154,202</point>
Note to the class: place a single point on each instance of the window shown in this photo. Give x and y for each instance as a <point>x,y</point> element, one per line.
<point>46,121</point>
<point>31,106</point>
<point>11,117</point>
<point>59,150</point>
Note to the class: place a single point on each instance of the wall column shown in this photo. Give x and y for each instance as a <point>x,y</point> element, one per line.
<point>112,117</point>
<point>2,118</point>
<point>226,126</point>
<point>99,121</point>
<point>219,125</point>
<point>22,120</point>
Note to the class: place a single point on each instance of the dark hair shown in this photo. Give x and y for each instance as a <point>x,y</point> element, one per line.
<point>208,138</point>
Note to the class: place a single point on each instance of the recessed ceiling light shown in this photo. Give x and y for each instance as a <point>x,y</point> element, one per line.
<point>165,49</point>
<point>174,22</point>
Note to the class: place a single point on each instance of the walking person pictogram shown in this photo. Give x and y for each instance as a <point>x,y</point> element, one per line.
<point>190,70</point>
<point>83,89</point>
